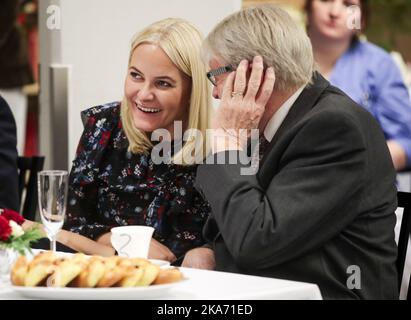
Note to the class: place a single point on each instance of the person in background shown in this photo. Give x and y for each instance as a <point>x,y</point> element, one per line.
<point>322,202</point>
<point>364,71</point>
<point>115,181</point>
<point>15,69</point>
<point>9,197</point>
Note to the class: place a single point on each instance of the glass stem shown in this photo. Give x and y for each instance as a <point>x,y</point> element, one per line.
<point>53,243</point>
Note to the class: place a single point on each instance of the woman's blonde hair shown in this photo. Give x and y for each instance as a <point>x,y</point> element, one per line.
<point>181,41</point>
<point>270,32</point>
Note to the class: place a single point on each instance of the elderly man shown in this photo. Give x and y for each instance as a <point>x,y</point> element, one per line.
<point>321,207</point>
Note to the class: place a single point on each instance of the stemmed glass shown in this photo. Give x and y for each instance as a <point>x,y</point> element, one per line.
<point>52,193</point>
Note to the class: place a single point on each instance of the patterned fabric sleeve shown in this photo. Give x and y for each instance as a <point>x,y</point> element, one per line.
<point>82,217</point>
<point>186,218</point>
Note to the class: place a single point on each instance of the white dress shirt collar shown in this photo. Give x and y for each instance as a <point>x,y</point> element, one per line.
<point>278,117</point>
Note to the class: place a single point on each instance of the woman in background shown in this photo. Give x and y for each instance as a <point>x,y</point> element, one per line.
<point>364,71</point>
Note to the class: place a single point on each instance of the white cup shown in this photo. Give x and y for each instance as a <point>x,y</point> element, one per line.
<point>132,241</point>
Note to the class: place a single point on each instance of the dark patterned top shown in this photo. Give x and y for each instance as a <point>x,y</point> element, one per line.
<point>110,186</point>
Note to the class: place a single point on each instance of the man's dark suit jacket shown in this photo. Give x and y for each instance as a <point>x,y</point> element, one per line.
<point>9,197</point>
<point>321,206</point>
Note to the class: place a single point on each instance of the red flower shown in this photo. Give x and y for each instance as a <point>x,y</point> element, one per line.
<point>12,215</point>
<point>5,229</point>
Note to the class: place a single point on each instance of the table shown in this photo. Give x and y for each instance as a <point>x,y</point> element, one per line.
<point>213,285</point>
<point>231,286</point>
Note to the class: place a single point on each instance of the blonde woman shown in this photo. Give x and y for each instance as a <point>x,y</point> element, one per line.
<point>114,180</point>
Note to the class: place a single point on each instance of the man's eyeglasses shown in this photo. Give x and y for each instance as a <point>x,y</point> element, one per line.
<point>216,72</point>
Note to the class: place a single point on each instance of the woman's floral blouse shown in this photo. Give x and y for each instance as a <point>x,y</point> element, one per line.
<point>110,186</point>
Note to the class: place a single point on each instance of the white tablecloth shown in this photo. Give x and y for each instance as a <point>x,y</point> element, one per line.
<point>213,285</point>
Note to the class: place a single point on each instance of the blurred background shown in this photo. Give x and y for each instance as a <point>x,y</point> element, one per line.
<point>77,51</point>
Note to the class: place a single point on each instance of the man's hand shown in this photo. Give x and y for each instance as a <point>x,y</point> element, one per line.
<point>199,258</point>
<point>242,103</point>
<point>160,251</point>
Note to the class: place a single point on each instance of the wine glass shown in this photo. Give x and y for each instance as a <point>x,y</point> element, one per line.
<point>52,193</point>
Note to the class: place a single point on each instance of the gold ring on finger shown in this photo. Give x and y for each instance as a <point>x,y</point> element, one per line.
<point>236,94</point>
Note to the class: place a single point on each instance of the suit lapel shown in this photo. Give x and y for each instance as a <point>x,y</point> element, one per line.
<point>305,102</point>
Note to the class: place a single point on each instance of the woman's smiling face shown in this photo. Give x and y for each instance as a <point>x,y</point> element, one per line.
<point>158,93</point>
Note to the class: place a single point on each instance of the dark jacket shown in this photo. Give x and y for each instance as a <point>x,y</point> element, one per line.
<point>8,159</point>
<point>321,205</point>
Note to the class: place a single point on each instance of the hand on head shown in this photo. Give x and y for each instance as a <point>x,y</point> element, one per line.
<point>243,100</point>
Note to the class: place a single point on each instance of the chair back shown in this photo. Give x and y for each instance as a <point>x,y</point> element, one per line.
<point>404,201</point>
<point>28,169</point>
